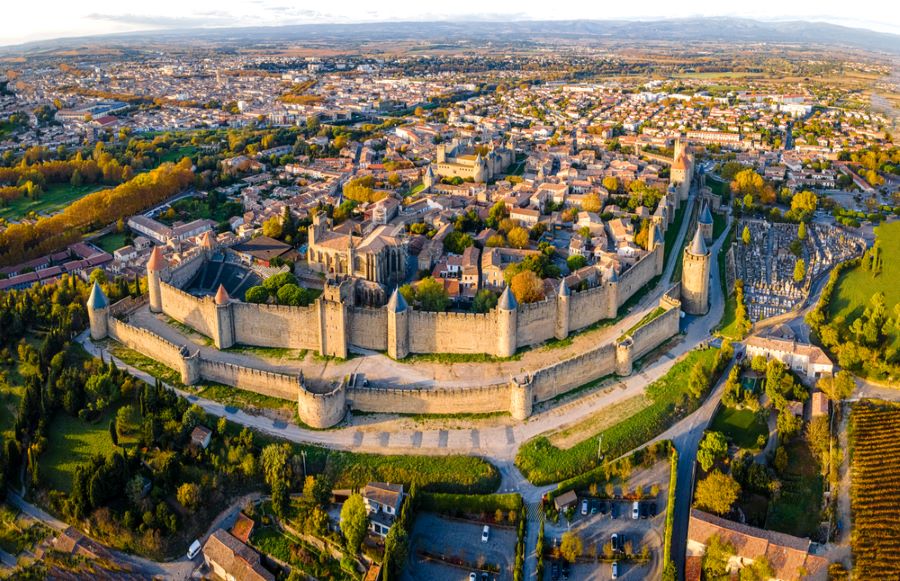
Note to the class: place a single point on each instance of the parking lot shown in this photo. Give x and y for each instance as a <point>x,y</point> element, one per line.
<point>458,539</point>
<point>605,518</point>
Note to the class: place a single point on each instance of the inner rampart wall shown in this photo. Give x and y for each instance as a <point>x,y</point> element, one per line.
<point>452,332</point>
<point>275,325</point>
<point>197,313</point>
<point>536,322</point>
<point>636,277</point>
<point>588,306</point>
<point>368,328</point>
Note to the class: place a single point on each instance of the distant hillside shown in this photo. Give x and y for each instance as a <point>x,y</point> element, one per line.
<point>736,30</point>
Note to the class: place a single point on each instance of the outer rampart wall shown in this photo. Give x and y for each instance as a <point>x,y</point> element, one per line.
<point>147,343</point>
<point>574,372</point>
<point>275,325</point>
<point>493,398</point>
<point>650,336</point>
<point>255,380</point>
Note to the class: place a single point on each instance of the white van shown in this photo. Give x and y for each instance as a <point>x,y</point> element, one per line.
<point>636,510</point>
<point>193,550</point>
<point>485,532</point>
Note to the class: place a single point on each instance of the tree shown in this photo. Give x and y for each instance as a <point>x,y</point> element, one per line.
<point>188,495</point>
<point>716,493</point>
<point>611,183</point>
<point>801,231</point>
<point>485,301</point>
<point>745,235</point>
<point>354,522</point>
<point>713,447</point>
<point>274,458</point>
<point>803,204</point>
<point>575,262</point>
<point>290,294</point>
<point>457,242</point>
<point>839,387</point>
<point>799,270</point>
<point>257,294</point>
<point>527,287</point>
<point>272,227</point>
<point>495,241</point>
<point>716,557</point>
<point>518,237</point>
<point>592,202</point>
<point>571,546</point>
<point>431,295</point>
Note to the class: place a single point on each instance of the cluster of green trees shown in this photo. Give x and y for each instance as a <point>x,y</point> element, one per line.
<point>284,289</point>
<point>427,294</point>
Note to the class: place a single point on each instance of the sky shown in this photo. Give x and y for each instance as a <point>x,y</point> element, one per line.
<point>46,19</point>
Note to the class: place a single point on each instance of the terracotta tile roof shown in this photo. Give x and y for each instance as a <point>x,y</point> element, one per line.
<point>237,559</point>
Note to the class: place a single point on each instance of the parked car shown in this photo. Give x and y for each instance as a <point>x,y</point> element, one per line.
<point>614,510</point>
<point>584,507</point>
<point>485,577</point>
<point>653,511</point>
<point>615,570</point>
<point>473,576</point>
<point>604,507</point>
<point>193,550</point>
<point>635,510</point>
<point>621,546</point>
<point>485,533</point>
<point>645,510</point>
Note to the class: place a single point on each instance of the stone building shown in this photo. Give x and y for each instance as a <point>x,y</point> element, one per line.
<point>807,360</point>
<point>380,256</point>
<point>695,277</point>
<point>462,160</point>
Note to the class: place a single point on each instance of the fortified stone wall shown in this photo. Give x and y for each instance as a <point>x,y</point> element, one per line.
<point>636,277</point>
<point>146,342</point>
<point>452,332</point>
<point>493,398</point>
<point>566,375</point>
<point>536,322</point>
<point>184,272</point>
<point>368,328</point>
<point>197,313</point>
<point>653,334</point>
<point>277,385</point>
<point>588,307</point>
<point>275,325</point>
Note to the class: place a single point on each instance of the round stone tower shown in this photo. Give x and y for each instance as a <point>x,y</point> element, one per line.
<point>155,266</point>
<point>507,321</point>
<point>624,363</point>
<point>562,310</point>
<point>98,313</point>
<point>695,277</point>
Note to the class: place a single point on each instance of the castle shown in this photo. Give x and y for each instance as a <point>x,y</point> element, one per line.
<point>380,256</point>
<point>462,160</point>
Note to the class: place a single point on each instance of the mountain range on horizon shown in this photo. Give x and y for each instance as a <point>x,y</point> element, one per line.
<point>705,29</point>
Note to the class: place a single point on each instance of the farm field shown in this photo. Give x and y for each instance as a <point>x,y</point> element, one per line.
<point>874,489</point>
<point>56,197</point>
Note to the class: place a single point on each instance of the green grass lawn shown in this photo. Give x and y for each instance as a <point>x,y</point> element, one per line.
<point>856,286</point>
<point>111,242</point>
<point>672,232</point>
<point>177,155</point>
<point>71,442</point>
<point>796,511</point>
<point>743,427</point>
<point>55,198</point>
<point>543,463</point>
<point>728,326</point>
